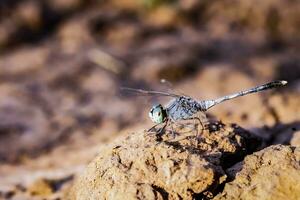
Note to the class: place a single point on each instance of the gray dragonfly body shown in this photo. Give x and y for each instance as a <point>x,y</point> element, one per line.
<point>184,107</point>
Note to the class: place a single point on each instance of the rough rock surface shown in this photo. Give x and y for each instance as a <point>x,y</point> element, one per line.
<point>272,173</point>
<point>153,166</point>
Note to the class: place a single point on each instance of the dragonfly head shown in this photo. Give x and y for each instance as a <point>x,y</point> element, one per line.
<point>158,114</point>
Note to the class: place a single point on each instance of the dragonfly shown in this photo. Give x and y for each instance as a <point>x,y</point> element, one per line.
<point>183,107</point>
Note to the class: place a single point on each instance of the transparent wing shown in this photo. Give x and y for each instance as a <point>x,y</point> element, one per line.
<point>142,92</point>
<point>170,87</point>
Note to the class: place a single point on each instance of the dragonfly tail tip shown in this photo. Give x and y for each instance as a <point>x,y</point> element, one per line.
<point>283,82</point>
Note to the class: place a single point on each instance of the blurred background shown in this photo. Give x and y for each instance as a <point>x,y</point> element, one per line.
<point>62,63</point>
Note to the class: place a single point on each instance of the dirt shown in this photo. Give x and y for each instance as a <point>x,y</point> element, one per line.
<point>62,64</point>
<point>278,165</point>
<point>152,165</point>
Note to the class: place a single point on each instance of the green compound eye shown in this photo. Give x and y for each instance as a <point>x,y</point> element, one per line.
<point>157,114</point>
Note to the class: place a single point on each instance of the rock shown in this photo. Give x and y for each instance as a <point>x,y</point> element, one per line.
<point>272,173</point>
<point>162,16</point>
<point>73,35</point>
<point>148,165</point>
<point>65,5</point>
<point>40,187</point>
<point>285,105</point>
<point>295,140</point>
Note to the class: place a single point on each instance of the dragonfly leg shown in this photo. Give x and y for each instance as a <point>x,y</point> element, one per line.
<point>151,129</point>
<point>161,130</point>
<point>198,131</point>
<point>172,130</point>
<point>170,121</point>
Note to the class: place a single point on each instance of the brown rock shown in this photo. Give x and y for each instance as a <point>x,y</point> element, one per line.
<point>285,105</point>
<point>40,187</point>
<point>73,35</point>
<point>148,166</point>
<point>272,173</point>
<point>163,16</point>
<point>29,13</point>
<point>65,5</point>
<point>295,140</point>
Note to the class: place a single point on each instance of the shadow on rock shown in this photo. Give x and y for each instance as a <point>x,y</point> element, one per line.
<point>279,134</point>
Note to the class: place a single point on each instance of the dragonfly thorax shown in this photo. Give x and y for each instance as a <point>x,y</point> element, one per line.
<point>158,114</point>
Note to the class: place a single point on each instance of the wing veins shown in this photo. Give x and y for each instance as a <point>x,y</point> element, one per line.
<point>149,92</point>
